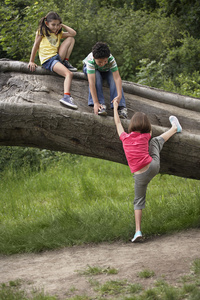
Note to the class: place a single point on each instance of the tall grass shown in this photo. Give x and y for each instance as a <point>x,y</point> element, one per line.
<point>80,200</point>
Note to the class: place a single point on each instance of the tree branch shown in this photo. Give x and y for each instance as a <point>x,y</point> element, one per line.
<point>31,116</point>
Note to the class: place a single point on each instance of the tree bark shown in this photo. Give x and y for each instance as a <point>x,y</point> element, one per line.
<point>31,116</point>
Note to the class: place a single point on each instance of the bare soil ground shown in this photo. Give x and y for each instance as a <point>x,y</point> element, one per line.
<point>58,272</point>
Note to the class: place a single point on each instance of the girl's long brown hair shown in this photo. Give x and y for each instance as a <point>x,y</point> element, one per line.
<point>139,122</point>
<point>43,29</point>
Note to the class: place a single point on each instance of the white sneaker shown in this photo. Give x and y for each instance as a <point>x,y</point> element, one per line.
<point>174,120</point>
<point>137,237</point>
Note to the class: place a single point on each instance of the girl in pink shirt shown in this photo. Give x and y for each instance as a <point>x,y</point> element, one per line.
<point>143,157</point>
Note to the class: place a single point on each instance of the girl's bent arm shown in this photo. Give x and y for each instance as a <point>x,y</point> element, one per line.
<point>35,48</point>
<point>69,31</point>
<point>118,123</point>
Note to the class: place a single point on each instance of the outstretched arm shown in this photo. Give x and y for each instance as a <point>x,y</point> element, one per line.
<point>118,123</point>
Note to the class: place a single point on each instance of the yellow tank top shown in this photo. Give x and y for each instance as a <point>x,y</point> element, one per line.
<point>49,46</point>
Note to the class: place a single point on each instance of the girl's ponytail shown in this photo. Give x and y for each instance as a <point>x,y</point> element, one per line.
<point>42,26</point>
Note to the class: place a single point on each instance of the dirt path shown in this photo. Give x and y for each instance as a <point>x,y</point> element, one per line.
<point>56,271</point>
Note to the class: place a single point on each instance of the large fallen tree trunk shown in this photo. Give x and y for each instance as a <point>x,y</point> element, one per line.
<point>31,115</point>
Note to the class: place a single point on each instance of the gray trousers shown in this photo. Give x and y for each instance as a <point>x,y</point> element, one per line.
<point>142,180</point>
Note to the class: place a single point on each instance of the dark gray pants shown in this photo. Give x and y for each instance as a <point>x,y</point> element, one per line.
<point>142,180</point>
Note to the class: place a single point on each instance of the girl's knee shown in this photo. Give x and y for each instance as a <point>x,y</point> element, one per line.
<point>139,202</point>
<point>70,74</point>
<point>67,42</point>
<point>70,40</point>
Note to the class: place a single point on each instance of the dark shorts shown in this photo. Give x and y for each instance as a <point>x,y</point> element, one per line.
<point>142,180</point>
<point>50,63</point>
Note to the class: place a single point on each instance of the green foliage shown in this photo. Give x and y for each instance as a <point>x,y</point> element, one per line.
<point>18,158</point>
<point>154,74</point>
<point>188,11</point>
<point>135,31</point>
<point>177,70</point>
<point>150,73</point>
<point>184,84</point>
<point>30,159</point>
<point>183,59</point>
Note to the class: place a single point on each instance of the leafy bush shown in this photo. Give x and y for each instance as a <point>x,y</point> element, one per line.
<point>32,159</point>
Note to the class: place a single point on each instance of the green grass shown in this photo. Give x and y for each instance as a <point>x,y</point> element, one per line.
<point>146,273</point>
<point>85,200</point>
<point>13,291</point>
<point>98,270</point>
<point>196,266</point>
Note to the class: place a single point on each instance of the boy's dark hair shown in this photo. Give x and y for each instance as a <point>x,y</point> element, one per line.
<point>139,122</point>
<point>43,29</point>
<point>100,50</point>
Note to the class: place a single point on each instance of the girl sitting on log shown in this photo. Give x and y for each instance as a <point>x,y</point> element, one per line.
<point>52,55</point>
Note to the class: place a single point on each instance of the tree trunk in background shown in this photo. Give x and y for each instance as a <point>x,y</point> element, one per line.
<point>31,116</point>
